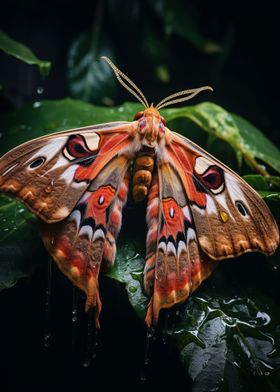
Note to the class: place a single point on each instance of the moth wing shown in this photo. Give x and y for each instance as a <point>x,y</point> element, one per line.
<point>84,242</point>
<point>50,174</point>
<point>199,211</point>
<point>230,217</point>
<point>175,265</point>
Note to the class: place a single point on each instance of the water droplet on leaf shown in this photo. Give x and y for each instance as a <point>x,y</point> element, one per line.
<point>40,90</point>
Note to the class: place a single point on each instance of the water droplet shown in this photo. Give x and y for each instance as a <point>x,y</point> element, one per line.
<point>264,317</point>
<point>47,332</point>
<point>36,104</point>
<point>40,90</point>
<point>74,316</point>
<point>47,337</point>
<point>275,267</point>
<point>76,295</point>
<point>150,334</point>
<point>143,377</point>
<point>86,363</point>
<point>91,342</point>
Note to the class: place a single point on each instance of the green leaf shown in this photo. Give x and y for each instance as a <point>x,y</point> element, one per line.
<point>224,338</point>
<point>268,187</point>
<point>23,53</point>
<point>90,78</point>
<point>256,145</point>
<point>246,140</point>
<point>13,216</point>
<point>19,243</point>
<point>128,269</point>
<point>44,117</point>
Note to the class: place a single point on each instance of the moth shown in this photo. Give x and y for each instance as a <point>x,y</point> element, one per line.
<point>198,210</point>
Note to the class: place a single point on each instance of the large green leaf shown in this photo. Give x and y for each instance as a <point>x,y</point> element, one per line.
<point>44,117</point>
<point>221,338</point>
<point>91,79</point>
<point>268,187</point>
<point>22,52</point>
<point>19,242</point>
<point>246,140</point>
<point>128,269</point>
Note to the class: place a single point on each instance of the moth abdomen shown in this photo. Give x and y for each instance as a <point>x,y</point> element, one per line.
<point>142,176</point>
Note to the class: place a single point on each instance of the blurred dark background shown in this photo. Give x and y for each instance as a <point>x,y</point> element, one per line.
<point>164,46</point>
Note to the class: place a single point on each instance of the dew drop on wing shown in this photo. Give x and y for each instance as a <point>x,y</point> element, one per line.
<point>47,327</point>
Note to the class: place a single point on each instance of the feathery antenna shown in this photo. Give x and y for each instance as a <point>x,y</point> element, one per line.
<point>134,90</point>
<point>170,101</point>
<point>120,76</point>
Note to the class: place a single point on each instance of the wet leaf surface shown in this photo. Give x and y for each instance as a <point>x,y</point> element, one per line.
<point>23,53</point>
<point>268,187</point>
<point>247,141</point>
<point>44,117</point>
<point>128,269</point>
<point>239,333</point>
<point>19,242</point>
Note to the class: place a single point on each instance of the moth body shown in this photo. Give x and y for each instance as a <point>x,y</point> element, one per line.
<point>151,129</point>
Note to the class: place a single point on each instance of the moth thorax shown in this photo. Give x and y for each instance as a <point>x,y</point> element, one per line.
<point>142,176</point>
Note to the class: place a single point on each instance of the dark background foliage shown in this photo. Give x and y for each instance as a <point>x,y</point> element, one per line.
<point>244,73</point>
<point>164,46</point>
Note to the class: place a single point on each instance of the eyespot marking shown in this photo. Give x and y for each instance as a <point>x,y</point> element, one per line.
<point>37,163</point>
<point>101,199</point>
<point>241,208</point>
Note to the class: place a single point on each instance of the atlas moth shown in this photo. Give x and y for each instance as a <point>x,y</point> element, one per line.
<point>198,210</point>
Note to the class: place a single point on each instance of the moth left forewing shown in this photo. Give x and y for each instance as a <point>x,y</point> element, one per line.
<point>84,242</point>
<point>230,217</point>
<point>49,174</point>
